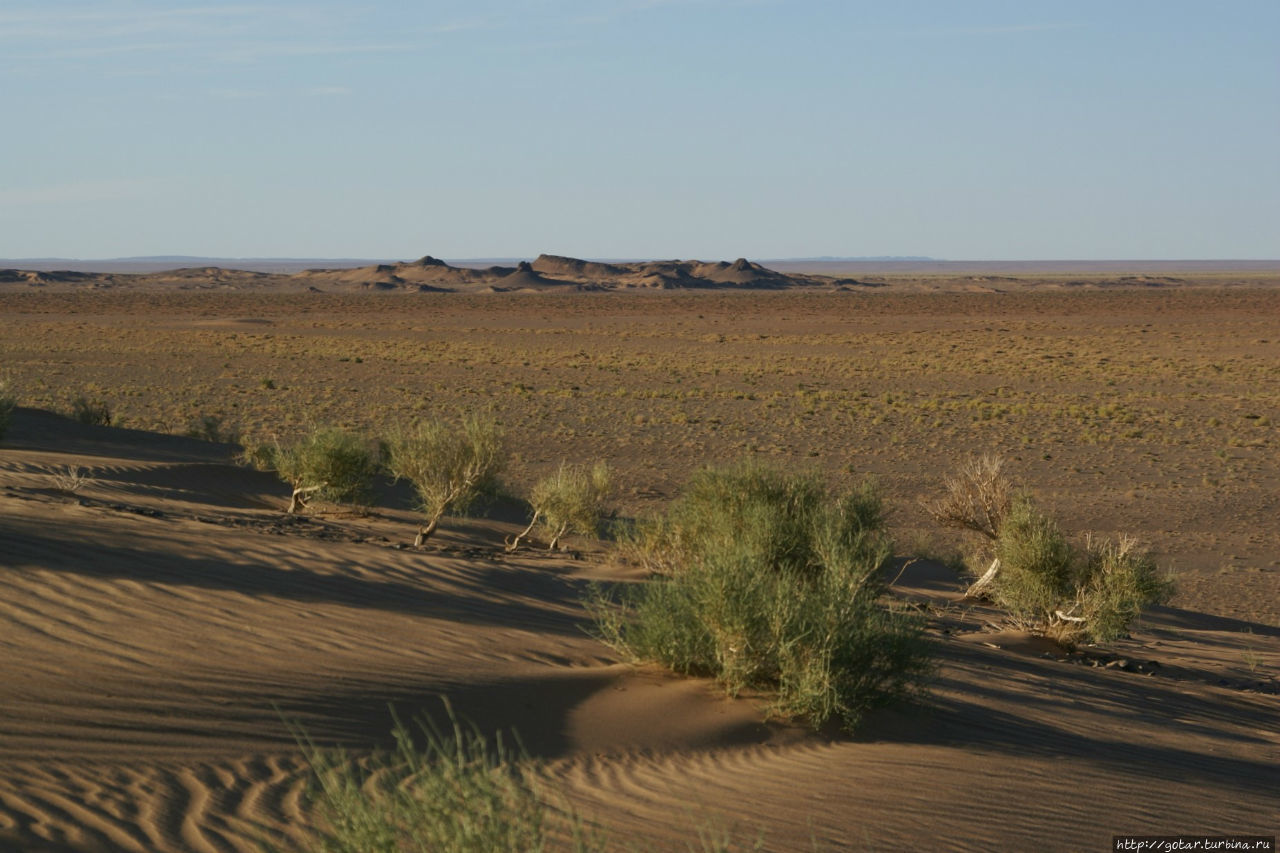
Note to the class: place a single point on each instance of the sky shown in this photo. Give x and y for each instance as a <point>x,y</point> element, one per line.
<point>1096,129</point>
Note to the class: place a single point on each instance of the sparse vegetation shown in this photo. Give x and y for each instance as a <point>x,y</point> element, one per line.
<point>456,793</point>
<point>450,465</point>
<point>90,411</point>
<point>776,586</point>
<point>329,463</point>
<point>213,428</point>
<point>1072,594</point>
<point>570,500</point>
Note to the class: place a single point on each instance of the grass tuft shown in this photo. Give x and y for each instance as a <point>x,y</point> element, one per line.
<point>455,793</point>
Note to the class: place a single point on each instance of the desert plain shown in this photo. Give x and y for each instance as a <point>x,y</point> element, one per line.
<point>164,623</point>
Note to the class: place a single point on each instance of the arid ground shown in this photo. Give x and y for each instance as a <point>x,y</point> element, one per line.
<point>162,617</point>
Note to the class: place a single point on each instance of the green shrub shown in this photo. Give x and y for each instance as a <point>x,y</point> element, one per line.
<point>1119,580</point>
<point>329,462</point>
<point>90,412</point>
<point>1093,594</point>
<point>449,465</point>
<point>571,500</point>
<point>455,793</point>
<point>1037,575</point>
<point>776,587</point>
<point>258,455</point>
<point>1036,564</point>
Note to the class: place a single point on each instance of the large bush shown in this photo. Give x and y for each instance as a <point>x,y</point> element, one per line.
<point>450,465</point>
<point>777,586</point>
<point>329,463</point>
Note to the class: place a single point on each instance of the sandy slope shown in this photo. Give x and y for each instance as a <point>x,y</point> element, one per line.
<point>158,625</point>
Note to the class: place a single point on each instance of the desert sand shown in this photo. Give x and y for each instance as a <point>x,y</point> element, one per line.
<point>163,618</point>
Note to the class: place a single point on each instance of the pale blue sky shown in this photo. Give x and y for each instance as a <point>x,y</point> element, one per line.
<point>641,128</point>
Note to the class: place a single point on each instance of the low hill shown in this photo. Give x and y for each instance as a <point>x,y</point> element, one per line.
<point>547,272</point>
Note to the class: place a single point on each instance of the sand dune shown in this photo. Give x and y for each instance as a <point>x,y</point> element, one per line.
<point>160,624</point>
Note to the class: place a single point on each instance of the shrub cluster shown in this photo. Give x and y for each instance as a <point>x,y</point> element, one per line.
<point>1092,593</point>
<point>449,465</point>
<point>775,585</point>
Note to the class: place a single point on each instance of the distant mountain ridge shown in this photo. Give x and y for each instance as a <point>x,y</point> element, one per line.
<point>544,273</point>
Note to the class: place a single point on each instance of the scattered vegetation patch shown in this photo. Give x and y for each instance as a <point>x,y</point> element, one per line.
<point>450,465</point>
<point>71,479</point>
<point>454,793</point>
<point>774,585</point>
<point>1091,593</point>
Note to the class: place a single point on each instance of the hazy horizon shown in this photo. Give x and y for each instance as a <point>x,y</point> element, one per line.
<point>640,129</point>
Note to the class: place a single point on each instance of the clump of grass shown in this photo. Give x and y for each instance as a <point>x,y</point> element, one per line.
<point>328,462</point>
<point>454,793</point>
<point>776,586</point>
<point>570,500</point>
<point>449,465</point>
<point>90,411</point>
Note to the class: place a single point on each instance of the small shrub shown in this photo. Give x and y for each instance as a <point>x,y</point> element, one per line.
<point>330,463</point>
<point>1036,573</point>
<point>778,587</point>
<point>571,500</point>
<point>258,455</point>
<point>449,465</point>
<point>71,479</point>
<point>1073,595</point>
<point>978,497</point>
<point>1093,594</point>
<point>213,428</point>
<point>1119,581</point>
<point>90,412</point>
